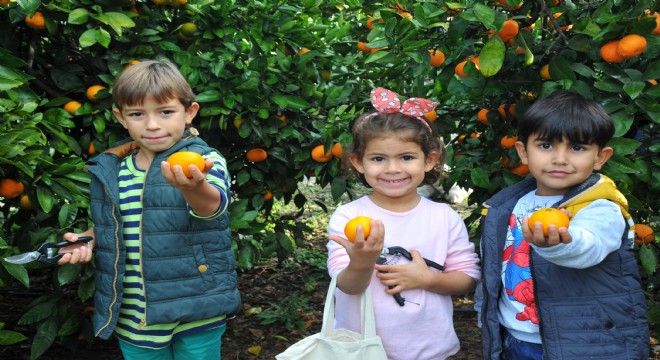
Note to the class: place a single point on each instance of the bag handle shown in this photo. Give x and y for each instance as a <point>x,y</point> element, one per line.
<point>367,312</point>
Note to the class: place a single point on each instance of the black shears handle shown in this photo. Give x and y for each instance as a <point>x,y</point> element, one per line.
<point>45,247</point>
<point>398,250</point>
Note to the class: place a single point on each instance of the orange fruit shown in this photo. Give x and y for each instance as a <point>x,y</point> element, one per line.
<point>72,106</point>
<point>4,2</point>
<point>336,150</point>
<point>610,53</point>
<point>370,23</point>
<point>256,155</point>
<point>521,170</point>
<point>482,116</point>
<point>437,57</point>
<point>431,116</point>
<point>160,2</point>
<point>362,46</point>
<point>25,203</point>
<point>407,15</point>
<point>131,63</point>
<point>547,217</point>
<point>185,159</point>
<point>460,139</point>
<point>177,3</point>
<point>503,110</point>
<point>509,30</point>
<point>282,118</point>
<point>656,31</point>
<point>545,72</point>
<point>93,90</point>
<point>475,135</point>
<point>188,29</point>
<point>653,82</point>
<point>91,150</point>
<point>237,122</point>
<point>350,230</point>
<point>268,195</point>
<point>319,155</point>
<point>631,45</point>
<point>508,142</point>
<point>460,68</point>
<point>643,234</point>
<point>303,51</point>
<point>36,21</point>
<point>11,188</point>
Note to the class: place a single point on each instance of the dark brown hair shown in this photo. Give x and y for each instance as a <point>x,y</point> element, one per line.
<point>406,128</point>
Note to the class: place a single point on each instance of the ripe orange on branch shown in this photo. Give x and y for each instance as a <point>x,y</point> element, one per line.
<point>93,91</point>
<point>437,57</point>
<point>36,21</point>
<point>643,234</point>
<point>256,155</point>
<point>350,230</point>
<point>547,217</point>
<point>631,45</point>
<point>319,155</point>
<point>508,142</point>
<point>610,52</point>
<point>72,106</point>
<point>185,159</point>
<point>11,188</point>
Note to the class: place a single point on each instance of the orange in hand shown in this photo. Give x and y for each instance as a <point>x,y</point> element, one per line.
<point>185,159</point>
<point>548,216</point>
<point>350,230</point>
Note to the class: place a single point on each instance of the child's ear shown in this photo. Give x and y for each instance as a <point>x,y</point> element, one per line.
<point>603,155</point>
<point>117,113</point>
<point>431,160</point>
<point>357,163</point>
<point>191,111</point>
<point>522,152</point>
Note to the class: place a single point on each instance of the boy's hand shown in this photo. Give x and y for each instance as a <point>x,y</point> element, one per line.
<point>76,253</point>
<point>555,236</point>
<point>406,276</point>
<point>364,252</point>
<point>176,177</point>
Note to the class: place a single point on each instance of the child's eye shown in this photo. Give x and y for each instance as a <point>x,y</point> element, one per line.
<point>168,112</point>
<point>407,157</point>
<point>134,114</point>
<point>577,148</point>
<point>545,146</point>
<point>377,158</point>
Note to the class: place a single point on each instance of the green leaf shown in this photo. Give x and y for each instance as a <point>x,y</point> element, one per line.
<point>46,199</point>
<point>8,337</point>
<point>208,96</point>
<point>103,37</point>
<point>485,14</point>
<point>648,258</point>
<point>118,20</point>
<point>67,215</point>
<point>78,16</point>
<point>19,272</point>
<point>337,187</point>
<point>560,69</point>
<point>624,146</point>
<point>46,333</point>
<point>88,38</point>
<point>290,102</point>
<point>39,312</point>
<point>68,274</point>
<point>634,88</point>
<point>480,178</point>
<point>492,56</point>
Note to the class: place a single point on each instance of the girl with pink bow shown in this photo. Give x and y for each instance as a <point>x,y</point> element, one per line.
<point>394,150</point>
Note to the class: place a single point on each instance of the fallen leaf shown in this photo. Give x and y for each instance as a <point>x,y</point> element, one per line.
<point>255,350</point>
<point>256,332</point>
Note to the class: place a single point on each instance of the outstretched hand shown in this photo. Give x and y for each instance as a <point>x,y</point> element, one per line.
<point>176,177</point>
<point>76,253</point>
<point>364,252</point>
<point>555,235</point>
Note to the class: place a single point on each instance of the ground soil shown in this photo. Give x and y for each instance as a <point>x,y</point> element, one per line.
<point>300,281</point>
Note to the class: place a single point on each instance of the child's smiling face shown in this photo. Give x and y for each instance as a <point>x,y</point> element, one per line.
<point>394,169</point>
<point>559,165</point>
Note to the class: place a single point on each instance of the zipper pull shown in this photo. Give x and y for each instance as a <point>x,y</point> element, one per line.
<point>142,323</point>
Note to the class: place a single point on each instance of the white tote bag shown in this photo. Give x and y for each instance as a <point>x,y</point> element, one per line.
<point>340,344</point>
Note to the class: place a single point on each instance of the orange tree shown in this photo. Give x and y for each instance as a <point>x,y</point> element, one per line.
<point>288,76</point>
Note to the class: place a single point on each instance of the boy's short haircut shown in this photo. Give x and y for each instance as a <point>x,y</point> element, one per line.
<point>567,114</point>
<point>160,79</point>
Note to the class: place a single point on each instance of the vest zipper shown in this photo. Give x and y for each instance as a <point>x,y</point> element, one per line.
<point>536,300</point>
<point>114,282</point>
<point>143,321</point>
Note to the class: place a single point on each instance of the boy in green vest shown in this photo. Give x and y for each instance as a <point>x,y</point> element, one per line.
<point>165,277</point>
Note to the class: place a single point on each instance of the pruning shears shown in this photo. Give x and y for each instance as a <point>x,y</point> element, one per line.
<point>45,253</point>
<point>398,250</point>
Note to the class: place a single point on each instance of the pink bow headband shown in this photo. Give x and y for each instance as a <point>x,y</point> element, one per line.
<point>387,102</point>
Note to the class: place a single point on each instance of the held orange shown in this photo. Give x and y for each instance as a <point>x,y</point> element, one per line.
<point>11,188</point>
<point>350,230</point>
<point>547,217</point>
<point>185,159</point>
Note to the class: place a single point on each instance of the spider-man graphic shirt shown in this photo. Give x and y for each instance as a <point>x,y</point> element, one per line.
<point>517,306</point>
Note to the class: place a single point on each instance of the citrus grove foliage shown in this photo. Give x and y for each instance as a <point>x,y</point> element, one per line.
<point>280,82</point>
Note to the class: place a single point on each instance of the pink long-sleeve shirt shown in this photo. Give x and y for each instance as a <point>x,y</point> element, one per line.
<point>423,328</point>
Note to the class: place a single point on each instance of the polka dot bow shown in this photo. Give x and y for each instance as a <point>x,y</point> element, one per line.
<point>387,102</point>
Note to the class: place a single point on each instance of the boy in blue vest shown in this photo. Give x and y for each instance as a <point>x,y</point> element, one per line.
<point>165,277</point>
<point>576,293</point>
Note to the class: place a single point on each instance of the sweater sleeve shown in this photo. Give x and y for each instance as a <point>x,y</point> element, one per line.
<point>596,231</point>
<point>460,252</point>
<point>337,257</point>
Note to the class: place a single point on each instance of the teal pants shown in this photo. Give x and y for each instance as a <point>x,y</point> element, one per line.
<point>202,346</point>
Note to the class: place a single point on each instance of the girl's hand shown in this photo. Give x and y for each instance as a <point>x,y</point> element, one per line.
<point>364,252</point>
<point>414,275</point>
<point>555,236</point>
<point>176,177</point>
<point>76,253</point>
